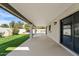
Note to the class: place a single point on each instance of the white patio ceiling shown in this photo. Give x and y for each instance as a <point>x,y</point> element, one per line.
<point>40,14</point>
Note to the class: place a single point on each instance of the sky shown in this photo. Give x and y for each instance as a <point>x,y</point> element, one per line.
<point>6,17</point>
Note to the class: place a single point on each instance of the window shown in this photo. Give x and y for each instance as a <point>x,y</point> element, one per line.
<point>49,27</point>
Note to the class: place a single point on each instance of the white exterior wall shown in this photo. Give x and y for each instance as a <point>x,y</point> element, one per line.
<point>55,29</point>
<point>40,30</point>
<point>6,31</point>
<point>22,31</point>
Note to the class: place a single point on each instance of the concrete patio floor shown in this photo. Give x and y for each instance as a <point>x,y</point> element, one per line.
<point>40,45</point>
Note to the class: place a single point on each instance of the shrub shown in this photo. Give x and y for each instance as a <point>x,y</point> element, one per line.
<point>1,34</point>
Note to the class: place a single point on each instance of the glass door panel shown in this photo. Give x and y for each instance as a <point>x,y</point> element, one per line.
<point>67,32</point>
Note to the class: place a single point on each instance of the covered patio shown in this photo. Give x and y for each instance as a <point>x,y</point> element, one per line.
<point>49,16</point>
<point>40,45</point>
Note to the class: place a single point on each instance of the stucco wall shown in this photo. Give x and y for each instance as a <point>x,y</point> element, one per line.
<point>55,29</point>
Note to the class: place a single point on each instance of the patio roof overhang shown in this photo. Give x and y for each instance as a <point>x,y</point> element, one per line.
<point>41,14</point>
<point>38,14</point>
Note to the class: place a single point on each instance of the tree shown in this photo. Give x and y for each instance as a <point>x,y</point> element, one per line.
<point>20,24</point>
<point>12,24</point>
<point>27,27</point>
<point>4,26</point>
<point>14,27</point>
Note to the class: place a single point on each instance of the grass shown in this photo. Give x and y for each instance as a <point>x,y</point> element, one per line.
<point>11,41</point>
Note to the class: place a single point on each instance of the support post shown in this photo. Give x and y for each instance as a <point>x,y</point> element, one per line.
<point>31,31</point>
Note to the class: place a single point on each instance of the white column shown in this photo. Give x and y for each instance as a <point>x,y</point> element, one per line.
<point>35,30</point>
<point>31,31</point>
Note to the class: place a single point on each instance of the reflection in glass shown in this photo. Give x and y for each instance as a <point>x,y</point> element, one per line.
<point>67,30</point>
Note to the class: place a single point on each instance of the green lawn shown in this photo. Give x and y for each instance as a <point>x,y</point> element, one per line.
<point>11,41</point>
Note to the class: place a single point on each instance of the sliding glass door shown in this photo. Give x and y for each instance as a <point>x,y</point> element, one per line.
<point>76,32</point>
<point>67,32</point>
<point>70,32</point>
